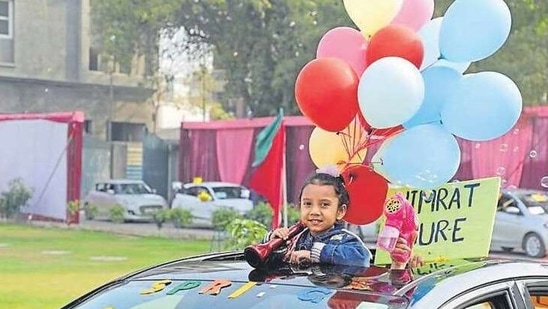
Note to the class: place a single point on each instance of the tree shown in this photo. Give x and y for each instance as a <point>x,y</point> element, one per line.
<point>263,44</point>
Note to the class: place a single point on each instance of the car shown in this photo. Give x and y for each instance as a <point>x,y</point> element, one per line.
<point>138,200</point>
<point>204,198</point>
<point>521,222</point>
<point>226,280</point>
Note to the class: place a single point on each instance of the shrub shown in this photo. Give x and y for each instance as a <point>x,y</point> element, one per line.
<point>244,232</point>
<point>222,217</point>
<point>181,217</point>
<point>17,196</point>
<point>262,213</point>
<point>91,211</point>
<point>116,213</point>
<point>73,207</point>
<point>161,216</point>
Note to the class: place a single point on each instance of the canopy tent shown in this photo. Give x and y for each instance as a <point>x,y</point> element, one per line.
<point>45,152</point>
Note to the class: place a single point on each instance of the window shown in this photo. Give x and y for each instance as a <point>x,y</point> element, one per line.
<point>6,19</point>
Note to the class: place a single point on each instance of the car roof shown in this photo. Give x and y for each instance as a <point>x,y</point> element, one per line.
<point>435,285</point>
<point>213,184</point>
<point>121,181</point>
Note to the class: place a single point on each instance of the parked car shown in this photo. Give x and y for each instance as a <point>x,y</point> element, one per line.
<point>204,198</point>
<point>522,222</point>
<point>225,280</point>
<point>139,201</point>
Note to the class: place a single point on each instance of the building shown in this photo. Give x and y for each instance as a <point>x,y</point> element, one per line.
<point>48,63</point>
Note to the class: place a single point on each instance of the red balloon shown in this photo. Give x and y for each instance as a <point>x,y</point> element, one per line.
<point>326,91</point>
<point>396,41</point>
<point>367,191</point>
<point>387,132</point>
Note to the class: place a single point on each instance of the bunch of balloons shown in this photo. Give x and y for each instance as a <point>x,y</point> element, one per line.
<point>398,79</point>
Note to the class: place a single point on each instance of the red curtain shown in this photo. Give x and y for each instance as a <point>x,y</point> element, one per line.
<point>233,152</point>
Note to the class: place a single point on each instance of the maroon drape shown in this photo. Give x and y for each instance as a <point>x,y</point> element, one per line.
<point>525,149</point>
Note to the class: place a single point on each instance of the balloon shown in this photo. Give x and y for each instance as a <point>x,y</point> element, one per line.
<point>396,41</point>
<point>344,43</point>
<point>325,91</point>
<point>367,191</point>
<point>484,106</point>
<point>414,13</point>
<point>439,83</point>
<point>371,15</point>
<point>390,92</point>
<point>430,34</point>
<point>424,157</point>
<point>473,30</point>
<point>329,148</point>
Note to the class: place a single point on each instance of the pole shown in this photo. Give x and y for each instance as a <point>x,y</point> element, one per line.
<point>284,177</point>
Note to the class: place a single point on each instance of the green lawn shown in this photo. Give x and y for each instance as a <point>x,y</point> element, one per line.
<point>47,267</point>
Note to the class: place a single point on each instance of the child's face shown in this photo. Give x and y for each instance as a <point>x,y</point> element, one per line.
<point>320,208</point>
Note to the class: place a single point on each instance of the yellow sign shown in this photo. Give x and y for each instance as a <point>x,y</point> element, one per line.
<point>455,220</point>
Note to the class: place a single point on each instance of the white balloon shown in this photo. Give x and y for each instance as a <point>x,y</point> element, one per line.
<point>390,92</point>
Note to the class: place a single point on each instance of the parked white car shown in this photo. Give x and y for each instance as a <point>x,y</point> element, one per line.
<point>138,199</point>
<point>522,222</point>
<point>202,199</point>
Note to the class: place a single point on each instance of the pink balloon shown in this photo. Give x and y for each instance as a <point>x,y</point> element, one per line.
<point>414,13</point>
<point>345,43</point>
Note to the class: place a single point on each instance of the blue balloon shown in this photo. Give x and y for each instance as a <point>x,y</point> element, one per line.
<point>474,29</point>
<point>440,82</point>
<point>423,157</point>
<point>484,106</point>
<point>430,37</point>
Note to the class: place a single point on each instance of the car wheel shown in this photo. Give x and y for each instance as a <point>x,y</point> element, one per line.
<point>507,249</point>
<point>534,246</point>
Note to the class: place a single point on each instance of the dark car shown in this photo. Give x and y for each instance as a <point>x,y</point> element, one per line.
<point>225,280</point>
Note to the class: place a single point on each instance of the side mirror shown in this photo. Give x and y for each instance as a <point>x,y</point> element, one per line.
<point>110,191</point>
<point>512,210</point>
<point>245,193</point>
<point>154,191</point>
<point>176,186</point>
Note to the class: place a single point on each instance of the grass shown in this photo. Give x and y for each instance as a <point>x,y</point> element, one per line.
<point>47,267</point>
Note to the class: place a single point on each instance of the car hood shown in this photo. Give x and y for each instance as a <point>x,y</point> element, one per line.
<point>141,199</point>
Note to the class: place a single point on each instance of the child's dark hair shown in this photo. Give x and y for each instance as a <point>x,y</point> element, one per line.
<point>324,179</point>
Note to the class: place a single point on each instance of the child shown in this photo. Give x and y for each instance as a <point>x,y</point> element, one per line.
<point>324,201</point>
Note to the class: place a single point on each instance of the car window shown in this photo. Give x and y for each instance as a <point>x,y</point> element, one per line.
<point>132,188</point>
<point>538,293</point>
<point>194,191</point>
<point>222,193</point>
<point>536,202</point>
<point>100,187</point>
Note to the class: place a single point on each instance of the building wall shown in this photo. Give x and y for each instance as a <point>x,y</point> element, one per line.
<point>50,71</point>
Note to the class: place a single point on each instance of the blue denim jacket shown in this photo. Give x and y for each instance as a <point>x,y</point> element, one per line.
<point>335,246</point>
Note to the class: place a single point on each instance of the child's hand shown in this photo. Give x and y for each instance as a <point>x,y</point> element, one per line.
<point>300,256</point>
<point>404,249</point>
<point>282,233</point>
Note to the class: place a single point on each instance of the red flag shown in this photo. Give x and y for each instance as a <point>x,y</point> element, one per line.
<point>266,179</point>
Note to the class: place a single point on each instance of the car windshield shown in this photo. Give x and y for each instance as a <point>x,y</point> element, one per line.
<point>132,188</point>
<point>223,193</point>
<point>536,203</point>
<point>188,295</point>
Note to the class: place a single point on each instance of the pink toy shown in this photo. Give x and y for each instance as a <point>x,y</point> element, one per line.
<point>401,221</point>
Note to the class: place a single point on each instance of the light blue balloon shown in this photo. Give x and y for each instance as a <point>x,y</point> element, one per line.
<point>424,157</point>
<point>484,106</point>
<point>474,29</point>
<point>439,82</point>
<point>430,34</point>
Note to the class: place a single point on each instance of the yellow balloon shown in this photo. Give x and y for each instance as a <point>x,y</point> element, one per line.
<point>372,15</point>
<point>328,148</point>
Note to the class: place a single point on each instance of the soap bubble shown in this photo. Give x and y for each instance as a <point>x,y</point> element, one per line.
<point>533,154</point>
<point>301,147</point>
<point>503,147</point>
<point>501,171</point>
<point>428,195</point>
<point>544,182</point>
